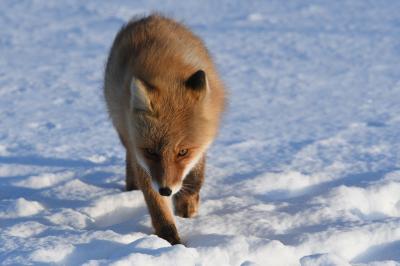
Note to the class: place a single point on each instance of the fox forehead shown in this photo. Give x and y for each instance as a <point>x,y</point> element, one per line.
<point>171,141</point>
<point>170,130</point>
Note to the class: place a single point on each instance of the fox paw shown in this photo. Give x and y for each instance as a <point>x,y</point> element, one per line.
<point>170,234</point>
<point>130,187</point>
<point>130,184</point>
<point>186,206</point>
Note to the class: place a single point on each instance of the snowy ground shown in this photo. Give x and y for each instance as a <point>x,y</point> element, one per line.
<point>306,169</point>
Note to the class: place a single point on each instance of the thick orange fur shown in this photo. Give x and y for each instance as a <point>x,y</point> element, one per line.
<point>165,99</point>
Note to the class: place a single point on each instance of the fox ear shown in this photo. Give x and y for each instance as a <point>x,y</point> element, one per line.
<point>140,100</point>
<point>197,81</point>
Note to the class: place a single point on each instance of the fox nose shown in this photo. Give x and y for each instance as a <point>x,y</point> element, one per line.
<point>165,191</point>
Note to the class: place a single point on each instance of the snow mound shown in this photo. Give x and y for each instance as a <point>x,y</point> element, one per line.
<point>151,255</point>
<point>19,208</point>
<point>286,184</point>
<point>26,229</point>
<point>51,254</point>
<point>68,217</point>
<point>114,209</point>
<point>44,180</point>
<point>375,201</point>
<point>323,260</point>
<point>74,190</point>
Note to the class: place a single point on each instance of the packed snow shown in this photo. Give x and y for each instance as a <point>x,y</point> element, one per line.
<point>306,168</point>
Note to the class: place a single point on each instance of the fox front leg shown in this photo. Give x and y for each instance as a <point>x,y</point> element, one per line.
<point>186,205</point>
<point>186,201</point>
<point>161,215</point>
<point>130,178</point>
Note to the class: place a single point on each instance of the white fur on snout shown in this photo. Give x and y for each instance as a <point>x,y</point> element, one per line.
<point>193,163</point>
<point>195,160</point>
<point>142,162</point>
<point>146,168</point>
<point>175,189</point>
<point>154,185</point>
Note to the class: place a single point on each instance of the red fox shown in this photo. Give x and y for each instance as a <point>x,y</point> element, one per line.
<point>165,100</point>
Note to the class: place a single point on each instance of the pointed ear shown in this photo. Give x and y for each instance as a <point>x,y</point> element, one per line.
<point>140,100</point>
<point>197,81</point>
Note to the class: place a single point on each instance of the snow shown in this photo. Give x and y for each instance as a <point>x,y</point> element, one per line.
<point>15,208</point>
<point>306,168</point>
<point>43,180</point>
<point>323,259</point>
<point>51,253</point>
<point>26,229</point>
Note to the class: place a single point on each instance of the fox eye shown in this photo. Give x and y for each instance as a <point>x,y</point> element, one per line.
<point>182,153</point>
<point>151,152</point>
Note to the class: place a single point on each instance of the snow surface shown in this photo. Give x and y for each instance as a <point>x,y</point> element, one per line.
<point>306,170</point>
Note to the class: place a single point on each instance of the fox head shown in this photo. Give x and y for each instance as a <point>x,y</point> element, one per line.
<point>172,124</point>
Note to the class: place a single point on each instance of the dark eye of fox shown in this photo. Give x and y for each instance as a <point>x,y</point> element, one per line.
<point>182,152</point>
<point>151,152</point>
